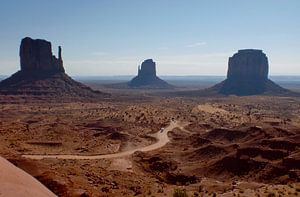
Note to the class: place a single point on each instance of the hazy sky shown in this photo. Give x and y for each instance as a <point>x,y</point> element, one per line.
<point>184,37</point>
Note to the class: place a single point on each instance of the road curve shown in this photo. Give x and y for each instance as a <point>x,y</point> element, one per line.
<point>162,140</point>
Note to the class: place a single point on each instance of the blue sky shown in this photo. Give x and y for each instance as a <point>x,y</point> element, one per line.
<point>184,37</point>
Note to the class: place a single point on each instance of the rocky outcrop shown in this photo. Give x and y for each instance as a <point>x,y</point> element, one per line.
<point>36,55</point>
<point>248,64</point>
<point>147,78</point>
<point>43,75</point>
<point>248,75</point>
<point>16,182</point>
<point>147,69</point>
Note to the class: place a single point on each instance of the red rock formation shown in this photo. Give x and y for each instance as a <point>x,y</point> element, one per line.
<point>248,64</point>
<point>147,69</point>
<point>147,77</point>
<point>36,55</point>
<point>42,74</point>
<point>248,75</point>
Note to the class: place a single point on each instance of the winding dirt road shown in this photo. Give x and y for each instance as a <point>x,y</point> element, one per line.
<point>161,136</point>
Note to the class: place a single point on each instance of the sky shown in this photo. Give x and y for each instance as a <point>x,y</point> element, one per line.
<point>183,37</point>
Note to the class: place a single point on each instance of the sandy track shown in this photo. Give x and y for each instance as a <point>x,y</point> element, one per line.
<point>162,140</point>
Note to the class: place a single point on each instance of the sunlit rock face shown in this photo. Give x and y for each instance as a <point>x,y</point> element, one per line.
<point>248,75</point>
<point>147,78</point>
<point>36,55</point>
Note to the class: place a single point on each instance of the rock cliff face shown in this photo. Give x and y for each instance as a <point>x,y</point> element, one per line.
<point>248,64</point>
<point>147,69</point>
<point>248,75</point>
<point>43,75</point>
<point>147,78</point>
<point>36,55</point>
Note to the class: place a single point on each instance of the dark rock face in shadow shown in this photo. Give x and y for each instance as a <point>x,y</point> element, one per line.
<point>42,74</point>
<point>248,75</point>
<point>248,64</point>
<point>147,78</point>
<point>36,55</point>
<point>147,69</point>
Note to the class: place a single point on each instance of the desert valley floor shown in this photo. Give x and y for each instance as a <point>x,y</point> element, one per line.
<point>223,146</point>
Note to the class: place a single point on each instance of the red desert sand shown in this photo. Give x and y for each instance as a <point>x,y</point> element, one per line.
<point>16,182</point>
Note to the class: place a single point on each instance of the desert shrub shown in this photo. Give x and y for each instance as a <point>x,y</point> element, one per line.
<point>271,195</point>
<point>179,193</point>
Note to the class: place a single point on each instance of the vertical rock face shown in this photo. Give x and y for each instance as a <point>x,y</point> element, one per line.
<point>248,75</point>
<point>147,69</point>
<point>43,75</point>
<point>248,64</point>
<point>36,55</point>
<point>147,77</point>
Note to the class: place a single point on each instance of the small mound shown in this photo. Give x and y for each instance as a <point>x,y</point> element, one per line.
<point>280,144</point>
<point>100,128</point>
<point>292,162</point>
<point>118,136</point>
<point>264,153</point>
<point>45,143</point>
<point>162,166</point>
<point>197,141</point>
<point>278,175</point>
<point>163,169</point>
<point>207,152</point>
<point>225,135</point>
<point>231,165</point>
<point>180,179</point>
<point>155,163</point>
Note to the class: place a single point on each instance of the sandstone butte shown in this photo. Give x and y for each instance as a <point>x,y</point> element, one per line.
<point>247,74</point>
<point>147,77</point>
<point>42,74</point>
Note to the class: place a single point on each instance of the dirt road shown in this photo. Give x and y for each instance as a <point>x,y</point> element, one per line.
<point>161,136</point>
